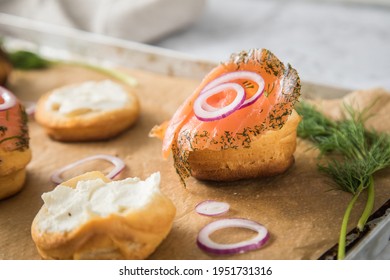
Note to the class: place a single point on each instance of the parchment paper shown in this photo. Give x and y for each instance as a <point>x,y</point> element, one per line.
<point>301,208</point>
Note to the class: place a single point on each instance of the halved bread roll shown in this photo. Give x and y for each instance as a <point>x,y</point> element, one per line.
<point>13,171</point>
<point>270,154</point>
<point>91,217</point>
<point>93,110</point>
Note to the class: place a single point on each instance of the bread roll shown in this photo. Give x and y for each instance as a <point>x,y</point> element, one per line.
<point>270,155</point>
<point>15,153</point>
<point>239,123</point>
<point>91,217</point>
<point>93,110</point>
<point>13,171</point>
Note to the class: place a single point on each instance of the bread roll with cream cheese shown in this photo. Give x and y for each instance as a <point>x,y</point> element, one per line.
<point>91,217</point>
<point>93,110</point>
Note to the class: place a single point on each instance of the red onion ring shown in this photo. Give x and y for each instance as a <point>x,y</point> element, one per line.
<point>119,165</point>
<point>9,99</point>
<point>205,243</point>
<point>218,113</point>
<point>29,107</point>
<point>235,76</point>
<point>212,208</point>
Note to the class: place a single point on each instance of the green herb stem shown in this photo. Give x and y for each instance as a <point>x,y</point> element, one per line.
<point>115,74</point>
<point>369,205</point>
<point>27,60</point>
<point>344,225</point>
<point>353,153</point>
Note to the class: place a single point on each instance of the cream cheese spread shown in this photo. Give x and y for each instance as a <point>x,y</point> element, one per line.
<point>66,208</point>
<point>90,96</point>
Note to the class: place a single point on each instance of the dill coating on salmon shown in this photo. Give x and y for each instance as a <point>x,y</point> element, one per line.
<point>3,130</point>
<point>20,141</point>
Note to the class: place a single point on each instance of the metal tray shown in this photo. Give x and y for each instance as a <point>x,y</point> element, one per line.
<point>65,43</point>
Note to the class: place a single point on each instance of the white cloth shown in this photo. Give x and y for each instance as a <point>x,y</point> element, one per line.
<point>137,20</point>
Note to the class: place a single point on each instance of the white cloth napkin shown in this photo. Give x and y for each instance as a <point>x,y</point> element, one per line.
<point>137,20</point>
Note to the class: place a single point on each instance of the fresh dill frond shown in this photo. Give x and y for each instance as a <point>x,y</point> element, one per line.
<point>347,138</point>
<point>348,175</point>
<point>353,153</point>
<point>314,125</point>
<point>27,60</point>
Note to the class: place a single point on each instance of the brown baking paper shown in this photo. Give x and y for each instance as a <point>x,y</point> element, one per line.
<point>301,208</point>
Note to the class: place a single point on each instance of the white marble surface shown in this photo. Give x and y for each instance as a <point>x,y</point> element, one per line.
<point>340,44</point>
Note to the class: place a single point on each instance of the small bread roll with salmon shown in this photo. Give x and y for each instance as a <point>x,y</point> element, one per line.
<point>240,122</point>
<point>91,217</point>
<point>89,111</point>
<point>15,153</point>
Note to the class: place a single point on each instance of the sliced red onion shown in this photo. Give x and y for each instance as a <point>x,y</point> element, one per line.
<point>9,99</point>
<point>218,113</point>
<point>119,165</point>
<point>205,243</point>
<point>212,208</point>
<point>236,76</point>
<point>29,107</point>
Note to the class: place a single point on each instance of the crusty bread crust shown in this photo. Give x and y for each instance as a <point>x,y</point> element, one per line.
<point>12,183</point>
<point>11,161</point>
<point>89,126</point>
<point>134,235</point>
<point>270,155</point>
<point>13,171</point>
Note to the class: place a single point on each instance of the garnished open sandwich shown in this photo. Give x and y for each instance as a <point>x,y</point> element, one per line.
<point>239,123</point>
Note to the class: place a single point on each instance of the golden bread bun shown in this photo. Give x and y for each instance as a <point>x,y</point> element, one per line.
<point>13,171</point>
<point>131,232</point>
<point>12,161</point>
<point>85,123</point>
<point>12,183</point>
<point>271,154</point>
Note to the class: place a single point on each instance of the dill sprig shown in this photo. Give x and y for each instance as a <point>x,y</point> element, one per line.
<point>353,154</point>
<point>26,60</point>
